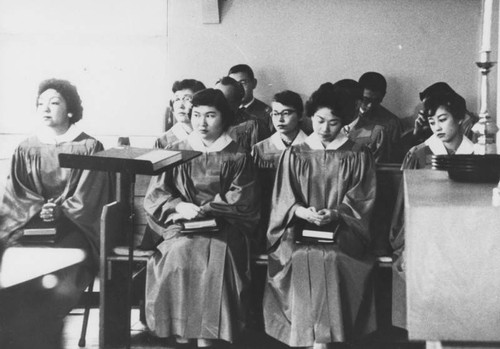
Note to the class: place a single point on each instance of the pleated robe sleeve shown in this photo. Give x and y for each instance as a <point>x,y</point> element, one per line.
<point>238,202</point>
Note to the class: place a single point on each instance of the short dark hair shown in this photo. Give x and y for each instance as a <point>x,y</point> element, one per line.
<point>242,68</point>
<point>373,81</point>
<point>291,99</point>
<point>350,86</point>
<point>339,101</point>
<point>70,94</point>
<point>452,102</point>
<point>229,81</point>
<point>215,98</point>
<point>191,84</point>
<point>436,88</point>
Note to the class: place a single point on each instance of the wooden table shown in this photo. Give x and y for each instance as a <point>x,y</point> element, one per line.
<point>453,259</point>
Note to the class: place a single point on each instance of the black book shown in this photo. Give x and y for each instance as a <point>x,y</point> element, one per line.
<point>208,225</point>
<point>37,231</point>
<point>312,233</point>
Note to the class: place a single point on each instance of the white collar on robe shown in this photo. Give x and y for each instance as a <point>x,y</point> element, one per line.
<point>248,104</point>
<point>348,128</point>
<point>437,147</point>
<point>278,143</point>
<point>315,142</point>
<point>47,137</point>
<point>220,143</point>
<point>179,131</point>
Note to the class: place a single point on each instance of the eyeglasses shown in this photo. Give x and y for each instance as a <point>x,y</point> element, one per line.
<point>186,98</point>
<point>244,82</point>
<point>285,113</point>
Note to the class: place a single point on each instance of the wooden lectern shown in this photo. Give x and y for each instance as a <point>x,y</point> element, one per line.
<point>126,162</point>
<point>452,275</point>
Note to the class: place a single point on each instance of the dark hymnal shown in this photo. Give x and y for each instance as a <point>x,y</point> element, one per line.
<point>38,231</point>
<point>199,226</point>
<point>312,233</point>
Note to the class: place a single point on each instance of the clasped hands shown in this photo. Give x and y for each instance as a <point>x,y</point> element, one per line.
<point>322,217</point>
<point>189,211</point>
<point>50,212</point>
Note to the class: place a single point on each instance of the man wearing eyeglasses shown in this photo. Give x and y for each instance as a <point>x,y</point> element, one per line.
<point>370,110</point>
<point>244,75</point>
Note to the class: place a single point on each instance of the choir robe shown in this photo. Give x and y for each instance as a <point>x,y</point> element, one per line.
<point>260,111</point>
<point>393,127</point>
<point>247,130</point>
<point>175,134</point>
<point>266,155</point>
<point>373,136</point>
<point>321,293</point>
<point>35,177</point>
<point>418,157</point>
<point>196,284</point>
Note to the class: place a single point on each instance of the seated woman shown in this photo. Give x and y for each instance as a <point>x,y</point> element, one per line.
<point>195,283</point>
<point>181,109</point>
<point>286,114</point>
<point>38,189</point>
<point>321,293</point>
<point>444,113</point>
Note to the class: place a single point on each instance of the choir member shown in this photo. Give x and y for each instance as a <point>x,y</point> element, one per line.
<point>286,114</point>
<point>444,113</point>
<point>181,108</point>
<point>243,74</point>
<point>37,190</point>
<point>374,87</point>
<point>196,284</point>
<point>246,130</point>
<point>321,293</point>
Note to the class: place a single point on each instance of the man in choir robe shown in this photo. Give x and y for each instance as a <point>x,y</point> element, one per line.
<point>243,74</point>
<point>246,129</point>
<point>371,111</point>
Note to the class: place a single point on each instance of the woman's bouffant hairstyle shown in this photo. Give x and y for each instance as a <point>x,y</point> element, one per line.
<point>339,100</point>
<point>190,84</point>
<point>215,98</point>
<point>68,92</point>
<point>452,102</point>
<point>290,99</point>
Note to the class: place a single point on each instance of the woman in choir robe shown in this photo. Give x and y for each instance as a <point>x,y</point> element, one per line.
<point>181,108</point>
<point>321,293</point>
<point>196,284</point>
<point>38,189</point>
<point>444,113</point>
<point>286,115</point>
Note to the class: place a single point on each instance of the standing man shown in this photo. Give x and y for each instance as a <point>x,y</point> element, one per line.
<point>243,74</point>
<point>374,88</point>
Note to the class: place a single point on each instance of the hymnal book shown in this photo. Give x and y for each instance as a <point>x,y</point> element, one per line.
<point>38,231</point>
<point>199,226</point>
<point>312,233</point>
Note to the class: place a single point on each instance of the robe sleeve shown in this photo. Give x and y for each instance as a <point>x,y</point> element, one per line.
<point>380,145</point>
<point>83,206</point>
<point>20,201</point>
<point>238,202</point>
<point>161,198</point>
<point>285,199</point>
<point>357,205</point>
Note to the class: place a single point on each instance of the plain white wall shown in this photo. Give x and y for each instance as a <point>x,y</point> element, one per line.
<point>300,44</point>
<point>124,55</point>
